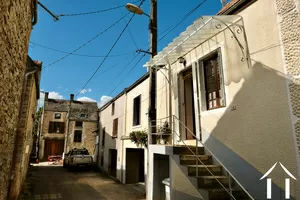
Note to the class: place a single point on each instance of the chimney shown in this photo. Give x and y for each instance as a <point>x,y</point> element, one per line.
<point>223,3</point>
<point>71,97</point>
<point>46,96</point>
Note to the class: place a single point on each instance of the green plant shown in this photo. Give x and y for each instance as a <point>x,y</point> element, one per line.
<point>165,132</point>
<point>140,138</point>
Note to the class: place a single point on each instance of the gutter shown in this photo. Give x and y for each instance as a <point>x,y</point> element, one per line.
<point>232,8</point>
<point>36,69</point>
<point>35,13</point>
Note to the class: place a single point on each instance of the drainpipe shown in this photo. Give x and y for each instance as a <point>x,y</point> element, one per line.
<point>35,12</point>
<point>124,134</point>
<point>17,138</point>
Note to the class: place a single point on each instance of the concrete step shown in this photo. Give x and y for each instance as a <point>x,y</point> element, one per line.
<point>212,182</point>
<point>221,194</point>
<point>184,150</point>
<point>202,171</point>
<point>191,159</point>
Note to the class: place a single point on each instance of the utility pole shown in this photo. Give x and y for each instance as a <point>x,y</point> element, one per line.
<point>152,72</point>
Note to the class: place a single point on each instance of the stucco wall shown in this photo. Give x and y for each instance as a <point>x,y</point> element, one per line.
<point>15,29</point>
<point>256,123</point>
<point>106,121</point>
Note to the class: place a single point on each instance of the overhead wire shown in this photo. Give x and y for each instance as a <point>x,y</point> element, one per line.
<point>76,54</point>
<point>62,58</point>
<point>93,12</point>
<point>120,35</point>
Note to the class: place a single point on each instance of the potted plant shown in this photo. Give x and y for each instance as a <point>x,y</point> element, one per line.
<point>165,133</point>
<point>140,138</point>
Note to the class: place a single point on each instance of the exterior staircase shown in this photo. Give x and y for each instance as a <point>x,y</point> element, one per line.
<point>209,175</point>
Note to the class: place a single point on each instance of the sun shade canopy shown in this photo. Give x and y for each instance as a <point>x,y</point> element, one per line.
<point>200,31</point>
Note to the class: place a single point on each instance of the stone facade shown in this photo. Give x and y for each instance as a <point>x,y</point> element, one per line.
<point>289,23</point>
<point>53,142</point>
<point>25,130</point>
<point>15,29</point>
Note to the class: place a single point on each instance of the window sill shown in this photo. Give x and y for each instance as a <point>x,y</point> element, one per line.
<point>213,111</point>
<point>137,126</point>
<point>114,137</point>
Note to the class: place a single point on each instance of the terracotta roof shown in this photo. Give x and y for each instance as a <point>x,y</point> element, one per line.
<point>228,5</point>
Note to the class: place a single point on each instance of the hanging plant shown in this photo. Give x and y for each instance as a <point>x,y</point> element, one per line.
<point>165,132</point>
<point>140,138</point>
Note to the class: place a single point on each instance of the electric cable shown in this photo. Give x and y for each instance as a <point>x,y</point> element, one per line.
<point>62,58</point>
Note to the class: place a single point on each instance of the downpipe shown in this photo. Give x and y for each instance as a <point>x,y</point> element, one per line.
<point>17,138</point>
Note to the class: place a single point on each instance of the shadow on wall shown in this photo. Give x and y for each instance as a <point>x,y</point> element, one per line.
<point>255,131</point>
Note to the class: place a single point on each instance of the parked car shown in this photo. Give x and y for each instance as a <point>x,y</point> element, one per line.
<point>77,158</point>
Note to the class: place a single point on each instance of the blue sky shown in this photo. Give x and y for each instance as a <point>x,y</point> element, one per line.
<point>70,74</point>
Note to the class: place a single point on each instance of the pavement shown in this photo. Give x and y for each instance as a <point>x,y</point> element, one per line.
<point>55,182</point>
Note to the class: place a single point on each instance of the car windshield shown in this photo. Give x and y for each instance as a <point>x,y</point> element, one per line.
<point>80,152</point>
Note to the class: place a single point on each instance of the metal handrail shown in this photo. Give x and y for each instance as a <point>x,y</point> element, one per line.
<point>198,140</point>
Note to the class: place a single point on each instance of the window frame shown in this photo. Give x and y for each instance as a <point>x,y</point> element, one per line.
<point>57,114</point>
<point>218,79</point>
<point>84,115</point>
<point>74,138</point>
<point>136,118</point>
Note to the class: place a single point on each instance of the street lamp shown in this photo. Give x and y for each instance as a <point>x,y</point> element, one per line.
<point>135,9</point>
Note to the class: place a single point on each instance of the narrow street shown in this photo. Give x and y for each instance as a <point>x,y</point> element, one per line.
<point>55,182</point>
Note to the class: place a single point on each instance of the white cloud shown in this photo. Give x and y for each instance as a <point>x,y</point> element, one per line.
<point>86,99</point>
<point>52,95</point>
<point>55,95</point>
<point>104,99</point>
<point>85,91</point>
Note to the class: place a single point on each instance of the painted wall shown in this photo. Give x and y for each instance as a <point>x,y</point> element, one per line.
<point>106,121</point>
<point>256,122</point>
<point>143,90</point>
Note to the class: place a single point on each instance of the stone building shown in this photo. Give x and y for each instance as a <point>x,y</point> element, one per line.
<point>15,28</point>
<point>24,141</point>
<point>83,122</point>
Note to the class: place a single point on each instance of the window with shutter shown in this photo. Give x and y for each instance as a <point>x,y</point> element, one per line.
<point>214,81</point>
<point>137,111</point>
<point>115,128</point>
<point>113,108</point>
<point>56,127</point>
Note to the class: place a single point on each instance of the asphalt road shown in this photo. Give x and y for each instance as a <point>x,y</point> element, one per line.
<point>55,182</point>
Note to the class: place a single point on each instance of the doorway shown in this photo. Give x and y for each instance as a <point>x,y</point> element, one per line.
<point>135,166</point>
<point>113,156</point>
<point>53,147</point>
<point>187,115</point>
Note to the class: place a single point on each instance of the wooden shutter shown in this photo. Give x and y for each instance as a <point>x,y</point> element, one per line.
<point>115,127</point>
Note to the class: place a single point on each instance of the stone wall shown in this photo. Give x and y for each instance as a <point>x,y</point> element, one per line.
<point>88,137</point>
<point>25,137</point>
<point>15,29</point>
<point>289,22</point>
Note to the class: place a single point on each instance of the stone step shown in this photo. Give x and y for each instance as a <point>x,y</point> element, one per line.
<point>184,150</point>
<point>221,194</point>
<point>212,181</point>
<point>202,171</point>
<point>192,159</point>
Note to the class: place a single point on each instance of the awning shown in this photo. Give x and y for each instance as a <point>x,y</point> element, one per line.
<point>200,31</point>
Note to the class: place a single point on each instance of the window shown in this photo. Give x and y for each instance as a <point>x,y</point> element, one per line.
<point>80,152</point>
<point>103,136</point>
<point>115,128</point>
<point>57,116</point>
<point>113,108</point>
<point>56,127</point>
<point>137,111</point>
<point>214,82</point>
<point>78,124</point>
<point>77,136</point>
<point>84,115</point>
